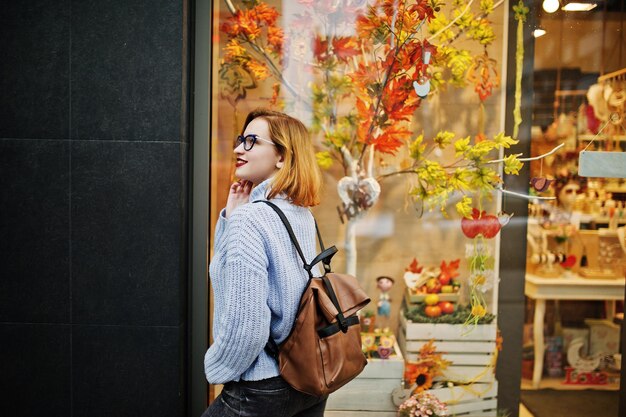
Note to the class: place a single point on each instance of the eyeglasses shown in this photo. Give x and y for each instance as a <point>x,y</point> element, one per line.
<point>249,141</point>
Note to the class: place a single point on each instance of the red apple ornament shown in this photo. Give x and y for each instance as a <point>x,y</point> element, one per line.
<point>481,223</point>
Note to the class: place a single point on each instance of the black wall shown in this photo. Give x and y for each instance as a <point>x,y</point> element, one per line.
<point>93,201</point>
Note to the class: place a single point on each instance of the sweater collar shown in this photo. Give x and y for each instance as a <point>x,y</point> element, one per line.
<point>261,191</point>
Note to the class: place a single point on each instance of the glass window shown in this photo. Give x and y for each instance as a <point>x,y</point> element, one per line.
<point>405,105</point>
<point>576,242</point>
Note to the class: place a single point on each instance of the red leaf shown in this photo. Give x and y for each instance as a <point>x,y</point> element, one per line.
<point>320,48</point>
<point>344,47</point>
<point>450,270</point>
<point>414,267</point>
<point>423,9</point>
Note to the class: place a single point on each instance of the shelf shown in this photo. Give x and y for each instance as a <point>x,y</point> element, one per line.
<point>587,138</point>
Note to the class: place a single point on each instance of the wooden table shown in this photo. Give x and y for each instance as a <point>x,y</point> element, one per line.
<point>565,288</point>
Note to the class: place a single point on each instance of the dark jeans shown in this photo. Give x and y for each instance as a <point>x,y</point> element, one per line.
<point>271,397</point>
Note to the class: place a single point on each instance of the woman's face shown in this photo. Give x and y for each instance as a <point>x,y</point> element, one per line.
<point>260,162</point>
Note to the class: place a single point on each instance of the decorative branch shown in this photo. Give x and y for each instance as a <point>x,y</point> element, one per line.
<point>524,196</point>
<point>231,6</point>
<point>495,6</point>
<point>275,71</point>
<point>497,161</point>
<point>452,22</point>
<point>534,158</point>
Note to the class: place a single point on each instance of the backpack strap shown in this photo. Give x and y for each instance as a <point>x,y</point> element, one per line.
<point>326,254</point>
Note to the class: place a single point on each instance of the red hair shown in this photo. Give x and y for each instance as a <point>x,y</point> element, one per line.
<point>300,177</point>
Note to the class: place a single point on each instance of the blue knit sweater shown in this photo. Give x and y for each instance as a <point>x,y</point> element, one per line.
<point>257,279</point>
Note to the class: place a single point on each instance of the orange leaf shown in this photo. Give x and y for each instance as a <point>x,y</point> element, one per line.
<point>451,269</point>
<point>345,47</point>
<point>391,139</point>
<point>275,38</point>
<point>414,267</point>
<point>264,13</point>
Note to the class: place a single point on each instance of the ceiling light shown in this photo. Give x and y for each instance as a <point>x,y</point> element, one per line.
<point>550,6</point>
<point>539,32</point>
<point>579,6</point>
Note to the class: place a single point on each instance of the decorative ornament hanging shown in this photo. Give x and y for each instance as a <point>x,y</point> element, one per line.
<point>540,184</point>
<point>481,223</point>
<point>422,84</point>
<point>357,195</point>
<point>520,15</point>
<point>484,75</point>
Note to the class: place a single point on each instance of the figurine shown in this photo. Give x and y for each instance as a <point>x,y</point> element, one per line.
<point>384,284</point>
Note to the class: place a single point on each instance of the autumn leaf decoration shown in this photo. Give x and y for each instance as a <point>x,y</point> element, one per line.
<point>414,267</point>
<point>254,48</point>
<point>473,173</point>
<point>430,364</point>
<point>450,270</point>
<point>376,68</point>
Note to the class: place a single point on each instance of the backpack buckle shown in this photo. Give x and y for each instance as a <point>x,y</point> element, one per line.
<point>343,323</point>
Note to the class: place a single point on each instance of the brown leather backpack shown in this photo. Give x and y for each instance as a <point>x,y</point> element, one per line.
<point>323,350</point>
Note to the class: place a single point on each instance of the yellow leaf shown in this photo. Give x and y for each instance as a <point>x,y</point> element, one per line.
<point>460,179</point>
<point>461,146</point>
<point>416,148</point>
<point>324,159</point>
<point>512,165</point>
<point>503,141</point>
<point>464,207</point>
<point>444,138</point>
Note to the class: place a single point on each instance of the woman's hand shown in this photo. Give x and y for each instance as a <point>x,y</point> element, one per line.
<point>238,194</point>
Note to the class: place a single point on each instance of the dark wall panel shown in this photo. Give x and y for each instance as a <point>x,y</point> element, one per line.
<point>126,236</point>
<point>93,202</point>
<point>126,371</point>
<point>127,68</point>
<point>35,370</point>
<point>34,69</point>
<point>513,236</point>
<point>34,230</point>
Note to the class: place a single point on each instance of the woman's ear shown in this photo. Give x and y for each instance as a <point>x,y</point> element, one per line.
<point>280,162</point>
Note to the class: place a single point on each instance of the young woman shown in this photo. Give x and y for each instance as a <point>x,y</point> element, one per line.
<point>256,274</point>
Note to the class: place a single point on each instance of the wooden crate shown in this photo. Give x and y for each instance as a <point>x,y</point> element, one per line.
<point>413,299</point>
<point>476,400</point>
<point>469,348</point>
<point>369,394</point>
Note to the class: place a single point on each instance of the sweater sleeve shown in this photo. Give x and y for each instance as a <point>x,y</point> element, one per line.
<point>245,316</point>
<point>220,226</point>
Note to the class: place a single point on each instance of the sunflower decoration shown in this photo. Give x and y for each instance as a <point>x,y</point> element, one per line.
<point>418,377</point>
<point>430,364</point>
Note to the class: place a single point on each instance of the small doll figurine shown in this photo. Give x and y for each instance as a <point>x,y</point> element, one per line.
<point>384,284</point>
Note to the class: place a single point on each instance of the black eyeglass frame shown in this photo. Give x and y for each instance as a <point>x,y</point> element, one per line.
<point>251,140</point>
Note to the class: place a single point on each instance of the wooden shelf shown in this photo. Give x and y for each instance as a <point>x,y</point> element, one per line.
<point>587,138</point>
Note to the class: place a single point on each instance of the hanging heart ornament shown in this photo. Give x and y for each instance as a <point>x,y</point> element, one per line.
<point>362,193</point>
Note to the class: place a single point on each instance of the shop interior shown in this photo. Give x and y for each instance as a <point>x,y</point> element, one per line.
<point>432,274</point>
<point>576,252</point>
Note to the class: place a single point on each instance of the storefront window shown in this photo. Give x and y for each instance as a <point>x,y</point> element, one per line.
<point>576,242</point>
<point>405,105</point>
